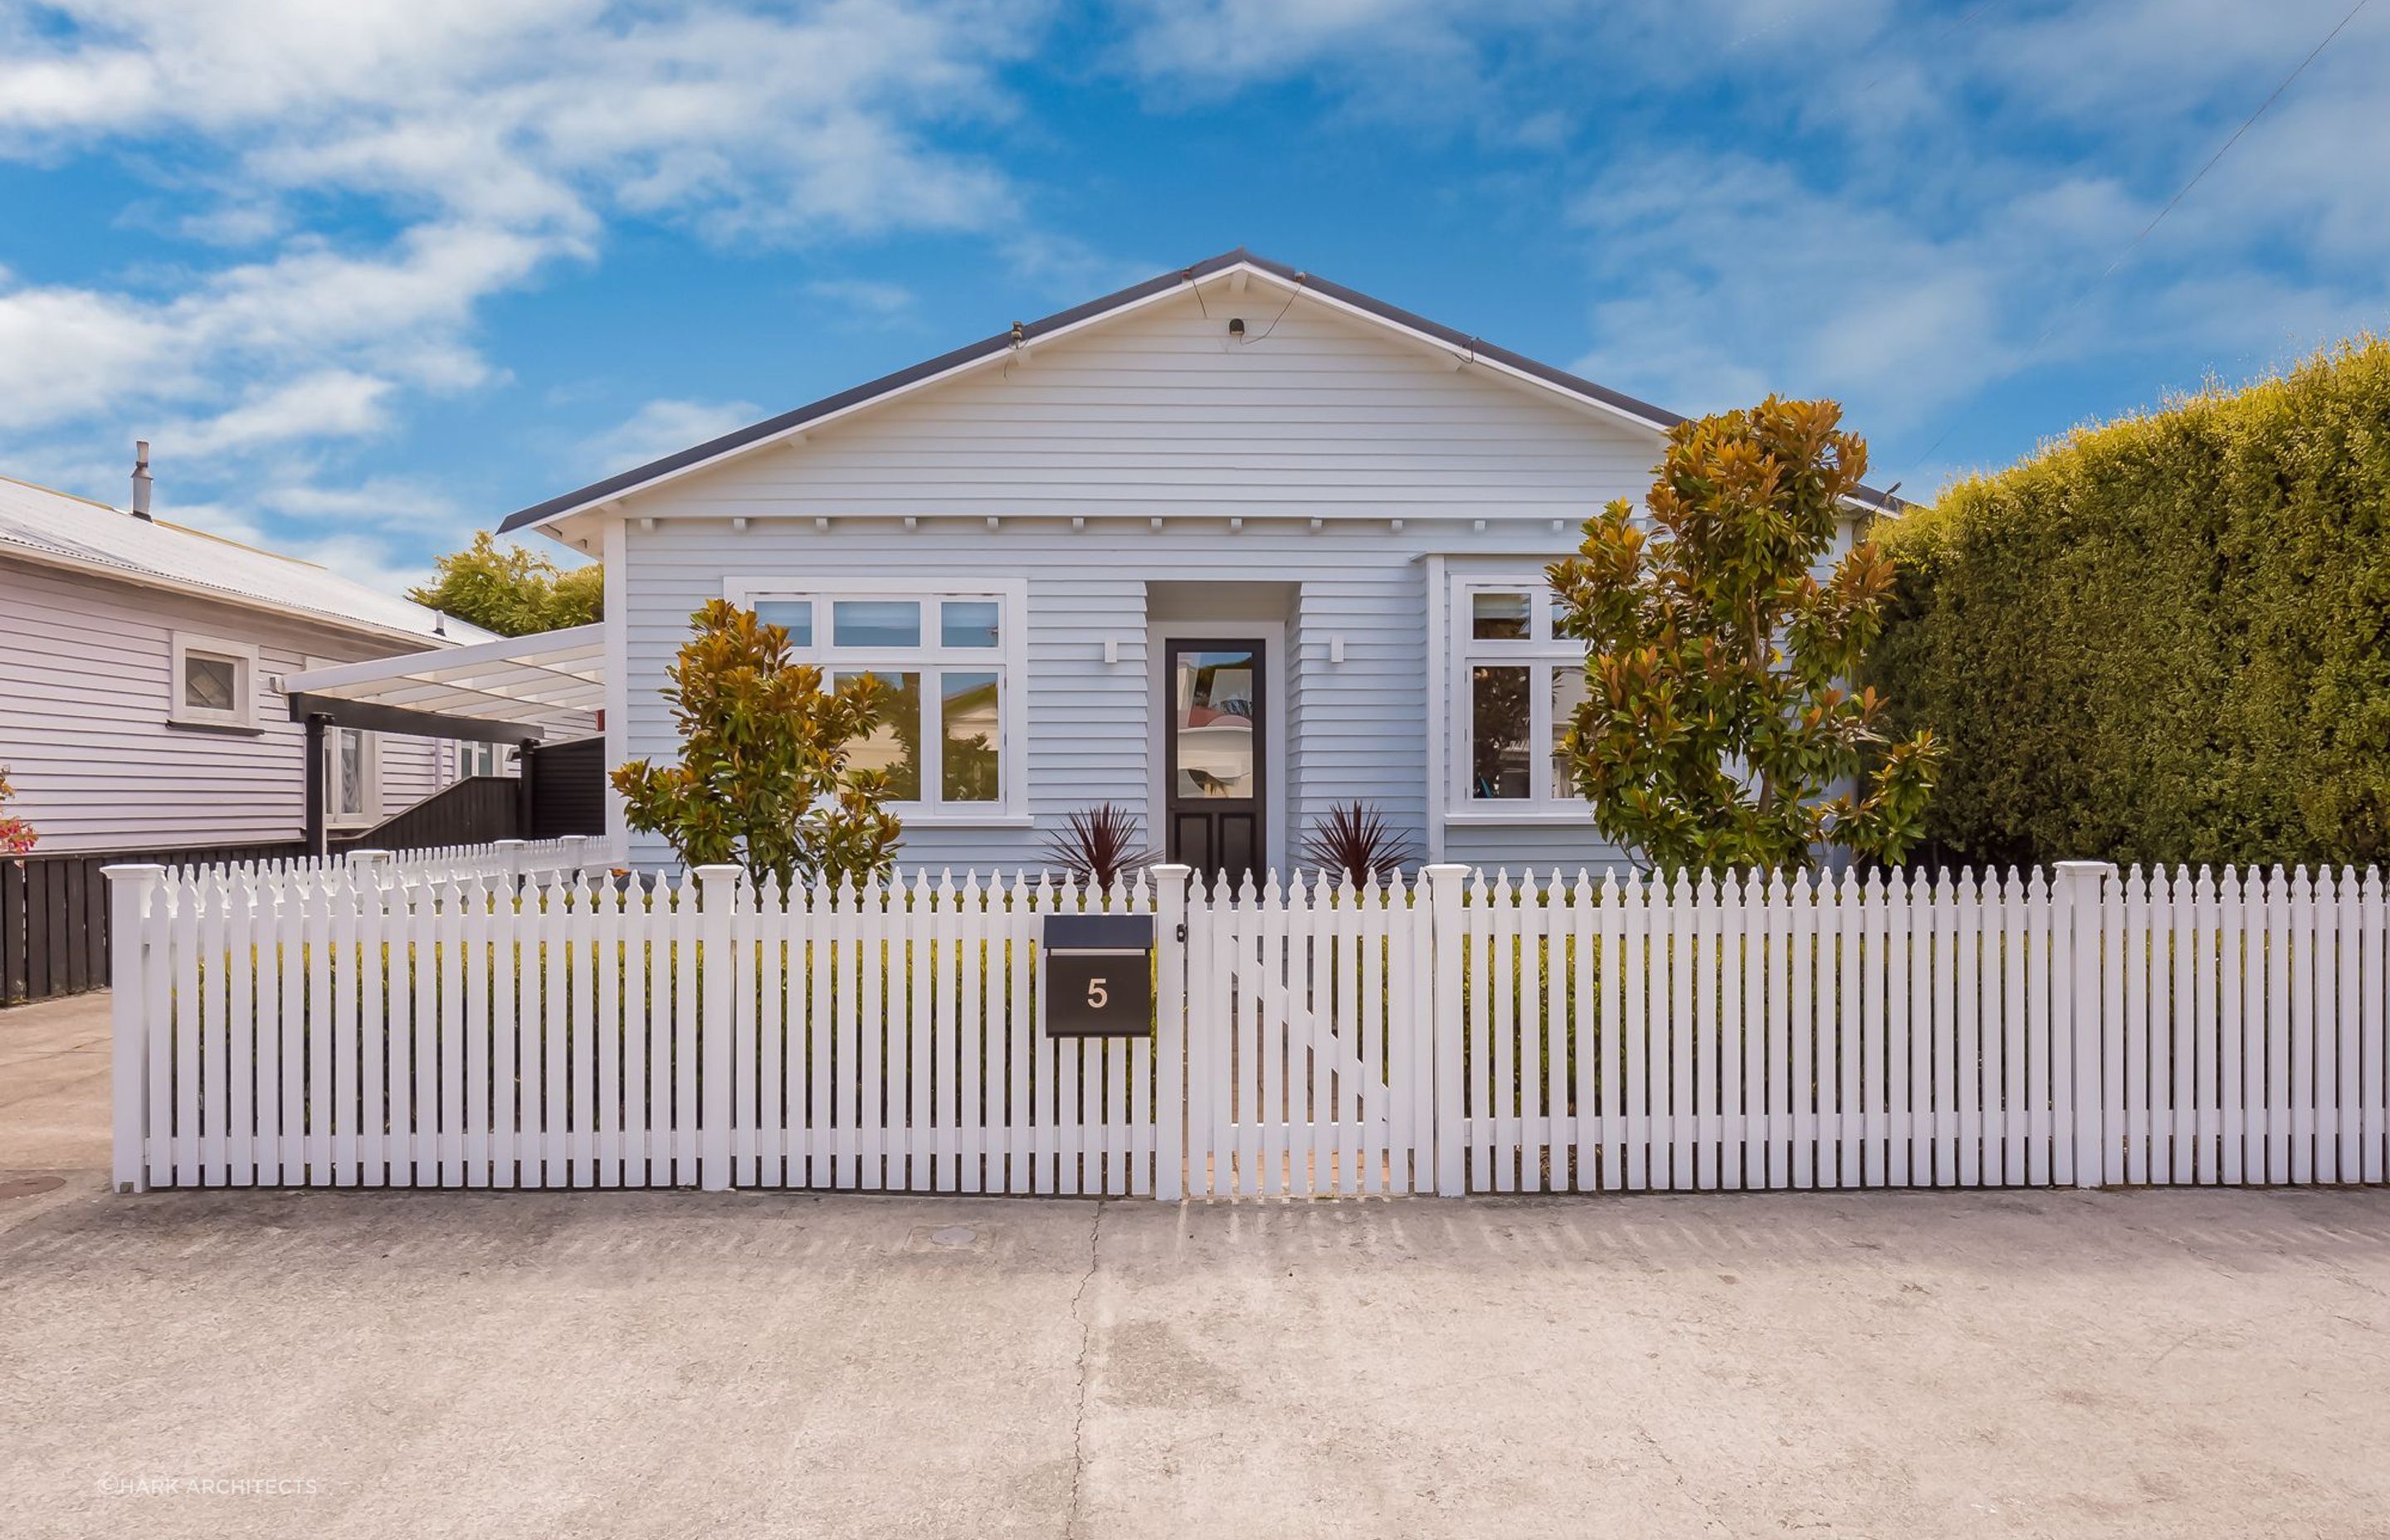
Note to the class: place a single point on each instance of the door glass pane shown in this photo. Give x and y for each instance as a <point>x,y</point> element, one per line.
<point>967,709</point>
<point>894,745</point>
<point>966,623</point>
<point>795,616</point>
<point>876,622</point>
<point>1213,723</point>
<point>1568,693</point>
<point>209,682</point>
<point>1498,617</point>
<point>1498,725</point>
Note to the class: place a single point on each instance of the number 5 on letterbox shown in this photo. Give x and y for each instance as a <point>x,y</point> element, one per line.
<point>1096,975</point>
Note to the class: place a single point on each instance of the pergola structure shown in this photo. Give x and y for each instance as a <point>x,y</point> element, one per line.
<point>520,690</point>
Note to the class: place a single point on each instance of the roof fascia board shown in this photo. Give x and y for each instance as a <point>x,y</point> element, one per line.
<point>144,578</point>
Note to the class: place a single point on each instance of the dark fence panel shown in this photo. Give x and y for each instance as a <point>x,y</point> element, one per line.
<point>473,811</point>
<point>54,913</point>
<point>568,789</point>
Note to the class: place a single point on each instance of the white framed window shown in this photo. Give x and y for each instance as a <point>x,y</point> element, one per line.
<point>950,653</point>
<point>353,779</point>
<point>1516,684</point>
<point>479,758</point>
<point>214,683</point>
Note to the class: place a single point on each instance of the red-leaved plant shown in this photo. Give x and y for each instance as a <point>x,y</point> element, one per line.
<point>1358,841</point>
<point>1099,845</point>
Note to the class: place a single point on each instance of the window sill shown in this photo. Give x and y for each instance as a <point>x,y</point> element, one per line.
<point>1528,812</point>
<point>963,820</point>
<point>228,729</point>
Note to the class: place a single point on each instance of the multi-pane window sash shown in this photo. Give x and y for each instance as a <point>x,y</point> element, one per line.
<point>1516,686</point>
<point>944,658</point>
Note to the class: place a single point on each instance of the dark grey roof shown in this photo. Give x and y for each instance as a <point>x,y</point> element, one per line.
<point>638,475</point>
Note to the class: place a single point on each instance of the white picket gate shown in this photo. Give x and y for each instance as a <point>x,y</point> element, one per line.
<point>370,1025</point>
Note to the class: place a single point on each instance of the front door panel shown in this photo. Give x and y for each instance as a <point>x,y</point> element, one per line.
<point>1213,754</point>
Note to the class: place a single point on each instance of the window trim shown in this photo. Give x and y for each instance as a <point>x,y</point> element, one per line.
<point>1009,660</point>
<point>369,749</point>
<point>1540,650</point>
<point>244,658</point>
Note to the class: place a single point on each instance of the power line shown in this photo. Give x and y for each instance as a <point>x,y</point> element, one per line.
<point>2133,245</point>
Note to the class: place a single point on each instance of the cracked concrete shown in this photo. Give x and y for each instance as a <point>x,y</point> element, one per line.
<point>1086,1342</point>
<point>2191,1363</point>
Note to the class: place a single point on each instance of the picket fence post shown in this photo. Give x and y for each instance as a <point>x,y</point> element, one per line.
<point>1170,1011</point>
<point>129,887</point>
<point>717,894</point>
<point>1446,1026</point>
<point>2084,884</point>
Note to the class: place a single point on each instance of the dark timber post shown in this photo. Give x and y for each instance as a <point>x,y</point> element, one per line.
<point>526,795</point>
<point>319,769</point>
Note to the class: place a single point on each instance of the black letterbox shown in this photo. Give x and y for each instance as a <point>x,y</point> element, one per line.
<point>1096,976</point>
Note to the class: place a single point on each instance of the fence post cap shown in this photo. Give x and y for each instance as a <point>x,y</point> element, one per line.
<point>126,871</point>
<point>504,844</point>
<point>369,857</point>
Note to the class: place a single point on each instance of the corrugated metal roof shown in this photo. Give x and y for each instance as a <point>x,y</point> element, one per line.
<point>65,528</point>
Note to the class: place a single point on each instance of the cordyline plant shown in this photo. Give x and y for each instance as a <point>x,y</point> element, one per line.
<point>1359,843</point>
<point>1717,714</point>
<point>1099,845</point>
<point>763,778</point>
<point>16,836</point>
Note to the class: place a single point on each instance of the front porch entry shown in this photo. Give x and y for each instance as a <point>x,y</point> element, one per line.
<point>1217,691</point>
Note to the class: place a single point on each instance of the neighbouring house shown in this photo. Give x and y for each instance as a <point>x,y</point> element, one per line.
<point>145,661</point>
<point>1226,548</point>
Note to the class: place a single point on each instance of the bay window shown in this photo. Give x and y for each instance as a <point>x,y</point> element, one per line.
<point>1516,686</point>
<point>949,660</point>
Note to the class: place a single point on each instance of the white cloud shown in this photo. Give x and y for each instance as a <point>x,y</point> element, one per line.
<point>485,140</point>
<point>864,297</point>
<point>658,429</point>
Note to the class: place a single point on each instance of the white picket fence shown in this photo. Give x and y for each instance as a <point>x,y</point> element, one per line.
<point>565,854</point>
<point>360,1025</point>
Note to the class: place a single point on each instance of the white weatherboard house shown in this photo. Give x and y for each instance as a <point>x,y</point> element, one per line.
<point>1227,548</point>
<point>142,664</point>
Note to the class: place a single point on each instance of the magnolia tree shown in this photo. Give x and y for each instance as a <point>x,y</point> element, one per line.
<point>1718,728</point>
<point>763,778</point>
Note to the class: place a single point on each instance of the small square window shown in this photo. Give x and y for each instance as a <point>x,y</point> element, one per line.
<point>211,685</point>
<point>968,623</point>
<point>876,622</point>
<point>1499,617</point>
<point>795,616</point>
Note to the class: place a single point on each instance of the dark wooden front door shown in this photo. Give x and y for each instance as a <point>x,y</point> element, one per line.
<point>1213,755</point>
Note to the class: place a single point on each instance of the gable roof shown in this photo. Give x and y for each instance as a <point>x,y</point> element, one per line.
<point>1657,418</point>
<point>61,530</point>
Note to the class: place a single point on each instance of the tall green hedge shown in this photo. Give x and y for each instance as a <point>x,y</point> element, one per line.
<point>2167,638</point>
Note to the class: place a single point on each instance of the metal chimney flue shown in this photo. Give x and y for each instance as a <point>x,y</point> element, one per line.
<point>141,480</point>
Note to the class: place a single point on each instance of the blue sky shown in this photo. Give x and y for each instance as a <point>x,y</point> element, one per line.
<point>371,275</point>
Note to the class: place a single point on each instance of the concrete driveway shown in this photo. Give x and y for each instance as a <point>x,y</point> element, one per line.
<point>2061,1364</point>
